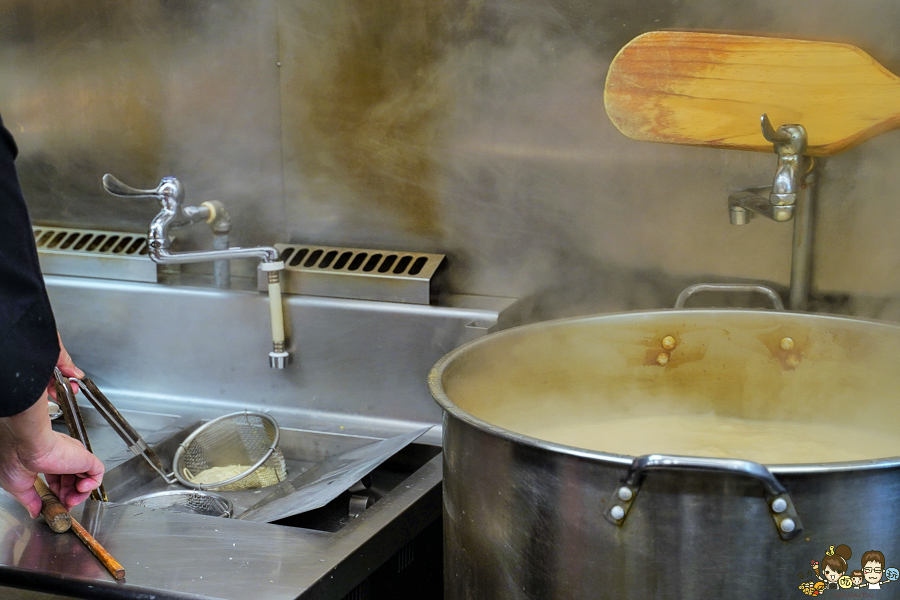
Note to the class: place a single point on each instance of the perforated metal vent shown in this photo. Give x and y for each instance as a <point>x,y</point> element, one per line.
<point>359,273</point>
<point>406,555</point>
<point>94,253</point>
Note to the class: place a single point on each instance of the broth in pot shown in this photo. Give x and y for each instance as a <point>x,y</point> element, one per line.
<point>774,388</point>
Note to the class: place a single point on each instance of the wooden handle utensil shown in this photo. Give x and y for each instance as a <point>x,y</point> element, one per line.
<point>111,564</point>
<point>55,514</point>
<point>710,89</point>
<point>52,510</point>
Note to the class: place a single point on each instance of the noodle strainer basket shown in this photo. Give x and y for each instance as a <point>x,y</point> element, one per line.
<point>194,502</point>
<point>243,439</point>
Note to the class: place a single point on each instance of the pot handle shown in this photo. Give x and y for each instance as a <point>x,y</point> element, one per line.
<point>690,290</point>
<point>781,507</point>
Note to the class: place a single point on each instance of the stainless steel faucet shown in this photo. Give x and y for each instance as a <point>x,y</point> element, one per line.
<point>781,197</point>
<point>789,197</point>
<point>174,214</point>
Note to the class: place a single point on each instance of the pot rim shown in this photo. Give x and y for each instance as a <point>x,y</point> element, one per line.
<point>435,385</point>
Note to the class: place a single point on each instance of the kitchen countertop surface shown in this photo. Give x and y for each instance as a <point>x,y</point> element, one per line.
<point>173,555</point>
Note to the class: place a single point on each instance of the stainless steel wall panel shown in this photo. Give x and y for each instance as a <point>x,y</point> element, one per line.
<point>363,104</point>
<point>470,128</point>
<point>143,90</point>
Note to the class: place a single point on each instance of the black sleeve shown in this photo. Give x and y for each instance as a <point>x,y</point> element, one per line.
<point>29,347</point>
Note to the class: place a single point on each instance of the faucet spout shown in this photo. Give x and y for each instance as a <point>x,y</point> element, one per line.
<point>161,254</point>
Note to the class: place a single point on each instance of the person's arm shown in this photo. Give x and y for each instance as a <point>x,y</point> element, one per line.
<point>28,446</point>
<point>29,350</point>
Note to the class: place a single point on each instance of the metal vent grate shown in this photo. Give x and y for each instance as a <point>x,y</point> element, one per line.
<point>102,242</point>
<point>94,253</point>
<point>406,556</point>
<point>357,593</point>
<point>359,273</point>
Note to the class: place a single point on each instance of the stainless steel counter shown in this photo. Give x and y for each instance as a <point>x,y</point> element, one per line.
<point>168,356</point>
<point>173,555</point>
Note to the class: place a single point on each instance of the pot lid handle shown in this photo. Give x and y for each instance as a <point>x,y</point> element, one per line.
<point>781,507</point>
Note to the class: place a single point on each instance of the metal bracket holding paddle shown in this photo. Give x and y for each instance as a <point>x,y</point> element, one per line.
<point>781,507</point>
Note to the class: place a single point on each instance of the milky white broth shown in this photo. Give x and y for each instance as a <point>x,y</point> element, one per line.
<point>721,437</point>
<point>730,388</point>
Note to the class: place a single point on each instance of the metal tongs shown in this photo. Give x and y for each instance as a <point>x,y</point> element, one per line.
<point>120,425</point>
<point>74,421</point>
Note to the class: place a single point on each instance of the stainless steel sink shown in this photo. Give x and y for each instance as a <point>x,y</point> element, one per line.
<point>129,476</point>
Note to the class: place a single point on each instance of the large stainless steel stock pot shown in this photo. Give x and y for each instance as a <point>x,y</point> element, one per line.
<point>531,513</point>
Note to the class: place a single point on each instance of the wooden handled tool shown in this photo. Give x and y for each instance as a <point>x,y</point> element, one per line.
<point>60,520</point>
<point>710,89</point>
<point>52,510</point>
<point>115,569</point>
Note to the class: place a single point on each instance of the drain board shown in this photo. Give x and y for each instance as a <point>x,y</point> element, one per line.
<point>358,273</point>
<point>94,253</point>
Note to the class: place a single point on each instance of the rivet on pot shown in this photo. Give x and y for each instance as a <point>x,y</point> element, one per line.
<point>779,505</point>
<point>787,525</point>
<point>625,494</point>
<point>617,513</point>
<point>669,343</point>
<point>663,359</point>
<point>786,343</point>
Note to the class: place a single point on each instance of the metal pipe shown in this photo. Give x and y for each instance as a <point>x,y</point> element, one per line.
<point>221,268</point>
<point>802,244</point>
<point>219,222</point>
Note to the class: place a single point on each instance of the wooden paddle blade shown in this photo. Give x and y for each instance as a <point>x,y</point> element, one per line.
<point>710,89</point>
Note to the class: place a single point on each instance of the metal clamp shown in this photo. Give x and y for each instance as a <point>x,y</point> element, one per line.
<point>781,507</point>
<point>690,290</point>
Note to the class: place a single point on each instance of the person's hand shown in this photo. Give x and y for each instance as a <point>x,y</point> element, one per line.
<point>67,368</point>
<point>28,446</point>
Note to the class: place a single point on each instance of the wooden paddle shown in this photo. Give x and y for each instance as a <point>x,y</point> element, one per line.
<point>710,89</point>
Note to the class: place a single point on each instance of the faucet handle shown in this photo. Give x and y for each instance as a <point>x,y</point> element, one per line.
<point>788,139</point>
<point>168,188</point>
<point>769,132</point>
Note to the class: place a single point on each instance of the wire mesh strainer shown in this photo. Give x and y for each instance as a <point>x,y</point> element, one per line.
<point>241,447</point>
<point>187,501</point>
